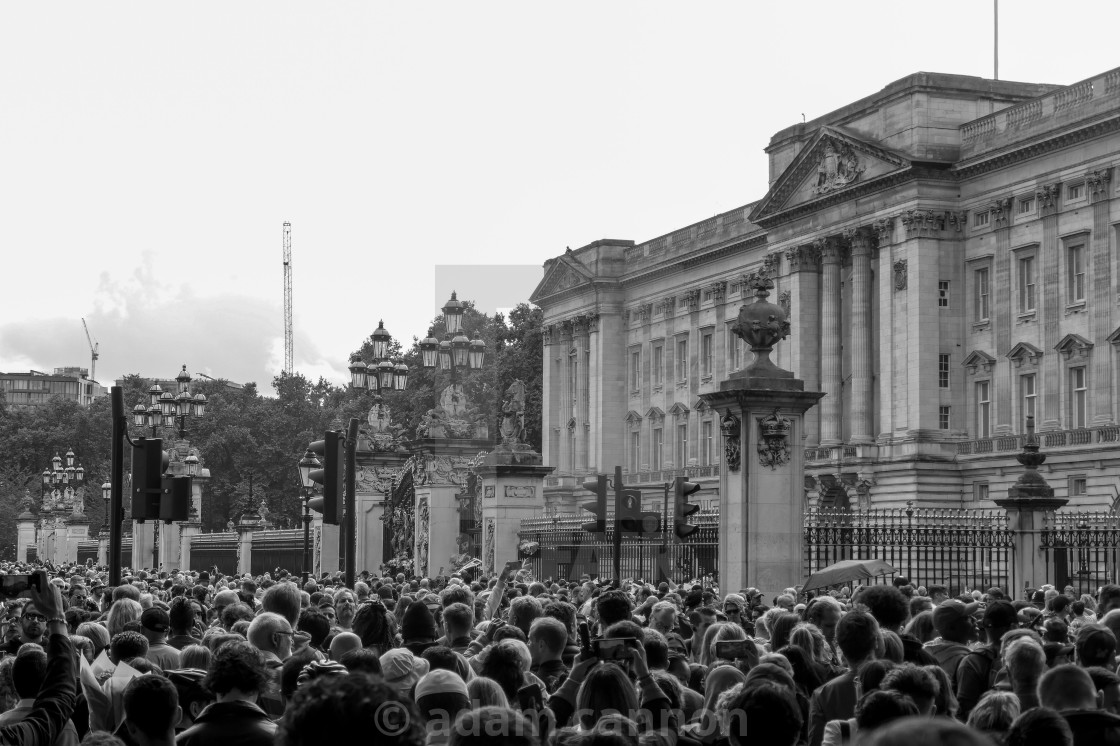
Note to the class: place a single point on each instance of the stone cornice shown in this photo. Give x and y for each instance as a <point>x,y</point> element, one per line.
<point>693,261</point>
<point>1050,141</point>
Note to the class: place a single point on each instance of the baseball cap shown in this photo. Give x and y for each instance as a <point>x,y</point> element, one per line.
<point>950,611</point>
<point>1000,614</point>
<point>155,619</point>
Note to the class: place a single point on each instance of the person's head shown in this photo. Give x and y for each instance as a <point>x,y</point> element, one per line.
<point>613,606</point>
<point>995,712</point>
<point>824,612</point>
<point>507,663</point>
<point>879,707</point>
<point>362,660</point>
<point>916,683</point>
<point>121,613</point>
<point>547,639</point>
<point>181,615</point>
<point>151,709</point>
<point>485,692</point>
<point>418,624</point>
<point>1025,662</point>
<point>781,628</point>
<point>237,671</point>
<point>887,604</point>
<point>918,604</point>
<point>999,618</point>
<point>857,635</point>
<point>96,633</point>
<point>1067,687</point>
<point>938,593</point>
<point>441,696</point>
<point>193,698</point>
<point>235,613</point>
<point>282,599</point>
<point>271,633</point>
<point>1040,726</point>
<point>764,712</point>
<point>474,728</point>
<point>374,625</point>
<point>522,611</point>
<point>946,701</point>
<point>717,633</point>
<point>155,624</point>
<point>921,627</point>
<point>127,645</point>
<point>1109,599</point>
<point>606,689</point>
<point>1095,646</point>
<point>195,656</point>
<point>919,731</point>
<point>458,619</point>
<point>28,672</point>
<point>317,627</point>
<point>332,709</point>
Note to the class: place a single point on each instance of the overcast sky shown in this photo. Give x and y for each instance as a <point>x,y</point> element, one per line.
<point>150,152</point>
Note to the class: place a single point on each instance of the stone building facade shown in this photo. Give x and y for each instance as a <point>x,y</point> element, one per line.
<point>947,251</point>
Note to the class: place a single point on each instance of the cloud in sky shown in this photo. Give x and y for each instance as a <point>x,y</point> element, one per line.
<point>148,326</point>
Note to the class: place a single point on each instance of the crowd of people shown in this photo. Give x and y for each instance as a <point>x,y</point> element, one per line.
<point>200,658</point>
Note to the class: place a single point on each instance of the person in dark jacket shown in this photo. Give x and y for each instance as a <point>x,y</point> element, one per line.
<point>954,624</point>
<point>1069,690</point>
<point>237,678</point>
<point>891,609</point>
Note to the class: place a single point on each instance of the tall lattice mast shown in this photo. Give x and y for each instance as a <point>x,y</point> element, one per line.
<point>288,367</point>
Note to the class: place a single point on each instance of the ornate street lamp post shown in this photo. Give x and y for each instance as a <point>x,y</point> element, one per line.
<point>307,464</point>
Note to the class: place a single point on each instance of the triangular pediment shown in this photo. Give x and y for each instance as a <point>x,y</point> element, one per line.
<point>978,359</point>
<point>833,162</point>
<point>678,409</point>
<point>1072,344</point>
<point>1024,352</point>
<point>566,272</point>
<point>655,413</point>
<point>1114,338</point>
<point>633,416</point>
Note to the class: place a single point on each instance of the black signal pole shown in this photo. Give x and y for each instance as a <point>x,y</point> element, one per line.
<point>617,525</point>
<point>351,502</point>
<point>116,478</point>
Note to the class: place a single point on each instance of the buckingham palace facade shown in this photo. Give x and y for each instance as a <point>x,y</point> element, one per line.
<point>947,251</point>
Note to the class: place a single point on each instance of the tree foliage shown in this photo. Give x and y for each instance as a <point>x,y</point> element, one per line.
<point>251,444</point>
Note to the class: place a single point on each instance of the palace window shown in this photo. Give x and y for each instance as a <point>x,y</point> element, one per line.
<point>736,350</point>
<point>1026,284</point>
<point>983,294</point>
<point>682,360</point>
<point>1078,485</point>
<point>983,409</point>
<point>658,364</point>
<point>979,491</point>
<point>706,341</point>
<point>943,417</point>
<point>1075,192</point>
<point>707,444</point>
<point>981,218</point>
<point>655,449</point>
<point>943,294</point>
<point>635,452</point>
<point>635,370</point>
<point>942,371</point>
<point>1029,396</point>
<point>1075,274</point>
<point>1078,393</point>
<point>1026,205</point>
<point>682,446</point>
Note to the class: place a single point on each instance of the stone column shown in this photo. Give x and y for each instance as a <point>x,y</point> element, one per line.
<point>443,476</point>
<point>374,484</point>
<point>831,410</point>
<point>246,527</point>
<point>1101,314</point>
<point>564,354</point>
<point>1027,501</point>
<point>103,547</point>
<point>1050,310</point>
<point>762,490</point>
<point>512,490</point>
<point>170,545</point>
<point>325,544</point>
<point>862,403</point>
<point>143,538</point>
<point>803,264</point>
<point>889,376</point>
<point>77,531</point>
<point>1002,318</point>
<point>188,530</point>
<point>580,342</point>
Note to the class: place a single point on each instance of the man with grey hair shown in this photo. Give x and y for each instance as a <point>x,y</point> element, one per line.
<point>663,617</point>
<point>271,634</point>
<point>1025,662</point>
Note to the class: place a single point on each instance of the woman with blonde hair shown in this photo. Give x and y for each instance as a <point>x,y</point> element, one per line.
<point>121,613</point>
<point>725,632</point>
<point>485,692</point>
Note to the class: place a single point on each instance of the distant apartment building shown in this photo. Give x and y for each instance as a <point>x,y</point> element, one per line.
<point>34,388</point>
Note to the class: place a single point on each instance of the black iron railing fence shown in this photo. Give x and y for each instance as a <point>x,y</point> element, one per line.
<point>560,549</point>
<point>963,549</point>
<point>1081,548</point>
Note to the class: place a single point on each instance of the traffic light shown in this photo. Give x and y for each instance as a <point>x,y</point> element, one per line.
<point>628,511</point>
<point>175,502</point>
<point>682,508</point>
<point>148,464</point>
<point>332,455</point>
<point>598,506</point>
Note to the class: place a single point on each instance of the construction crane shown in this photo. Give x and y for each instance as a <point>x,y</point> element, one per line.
<point>93,354</point>
<point>288,366</point>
